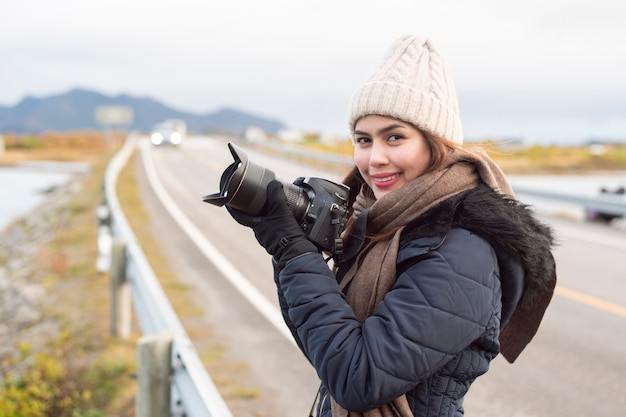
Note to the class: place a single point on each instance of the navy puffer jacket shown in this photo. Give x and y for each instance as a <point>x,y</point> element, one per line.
<point>434,332</point>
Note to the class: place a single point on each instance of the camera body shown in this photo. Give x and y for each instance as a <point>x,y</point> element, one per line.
<point>320,206</point>
<point>326,213</point>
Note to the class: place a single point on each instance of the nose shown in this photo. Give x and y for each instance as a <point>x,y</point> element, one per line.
<point>378,154</point>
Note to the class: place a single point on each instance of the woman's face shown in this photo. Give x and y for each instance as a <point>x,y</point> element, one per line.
<point>389,153</point>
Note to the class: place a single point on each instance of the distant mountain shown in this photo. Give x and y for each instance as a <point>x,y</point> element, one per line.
<point>75,110</point>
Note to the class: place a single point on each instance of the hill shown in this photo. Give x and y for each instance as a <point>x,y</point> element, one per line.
<point>75,110</point>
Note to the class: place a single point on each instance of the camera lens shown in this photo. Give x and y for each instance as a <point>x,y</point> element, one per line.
<point>318,205</point>
<point>247,188</point>
<point>297,200</point>
<point>243,186</point>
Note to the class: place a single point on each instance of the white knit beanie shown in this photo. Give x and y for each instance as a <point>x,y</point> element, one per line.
<point>412,84</point>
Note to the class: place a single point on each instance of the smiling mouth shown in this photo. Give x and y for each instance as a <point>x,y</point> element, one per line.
<point>385,179</point>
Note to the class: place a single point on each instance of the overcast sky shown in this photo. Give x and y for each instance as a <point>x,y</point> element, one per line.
<point>543,70</point>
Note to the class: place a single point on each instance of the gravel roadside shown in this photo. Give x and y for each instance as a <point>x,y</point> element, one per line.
<point>22,292</point>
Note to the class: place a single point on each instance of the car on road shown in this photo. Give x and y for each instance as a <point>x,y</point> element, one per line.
<point>169,132</point>
<point>618,195</point>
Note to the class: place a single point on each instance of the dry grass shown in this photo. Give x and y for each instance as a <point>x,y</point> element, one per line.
<point>55,146</point>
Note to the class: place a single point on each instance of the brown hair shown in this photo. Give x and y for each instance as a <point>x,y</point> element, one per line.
<point>439,147</point>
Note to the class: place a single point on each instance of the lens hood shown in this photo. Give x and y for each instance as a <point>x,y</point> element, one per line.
<point>243,184</point>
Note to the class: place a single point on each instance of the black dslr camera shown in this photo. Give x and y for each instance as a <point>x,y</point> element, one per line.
<point>320,206</point>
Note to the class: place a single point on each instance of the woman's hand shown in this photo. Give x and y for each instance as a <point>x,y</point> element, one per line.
<point>277,231</point>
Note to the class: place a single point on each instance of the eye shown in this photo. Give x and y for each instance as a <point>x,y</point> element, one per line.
<point>362,140</point>
<point>395,137</point>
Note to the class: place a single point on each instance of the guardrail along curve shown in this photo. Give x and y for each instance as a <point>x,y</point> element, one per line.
<point>193,393</point>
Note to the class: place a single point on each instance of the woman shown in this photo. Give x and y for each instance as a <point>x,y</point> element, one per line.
<point>443,268</point>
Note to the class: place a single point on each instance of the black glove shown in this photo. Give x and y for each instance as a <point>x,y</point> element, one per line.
<point>277,231</point>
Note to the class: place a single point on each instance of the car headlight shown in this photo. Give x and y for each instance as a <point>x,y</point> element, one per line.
<point>176,138</point>
<point>156,138</point>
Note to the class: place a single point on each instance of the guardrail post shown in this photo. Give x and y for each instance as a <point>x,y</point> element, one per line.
<point>103,215</point>
<point>154,371</point>
<point>120,308</point>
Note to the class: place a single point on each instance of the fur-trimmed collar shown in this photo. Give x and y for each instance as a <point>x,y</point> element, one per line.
<point>509,226</point>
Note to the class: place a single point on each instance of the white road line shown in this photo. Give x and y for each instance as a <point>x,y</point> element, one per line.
<point>267,309</point>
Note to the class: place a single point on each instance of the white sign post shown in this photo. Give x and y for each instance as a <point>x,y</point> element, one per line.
<point>114,115</point>
<point>109,116</point>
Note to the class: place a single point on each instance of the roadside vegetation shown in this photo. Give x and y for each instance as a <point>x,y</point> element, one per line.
<point>88,146</point>
<point>81,371</point>
<point>536,159</point>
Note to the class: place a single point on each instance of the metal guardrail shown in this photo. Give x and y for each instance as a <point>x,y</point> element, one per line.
<point>193,391</point>
<point>612,204</point>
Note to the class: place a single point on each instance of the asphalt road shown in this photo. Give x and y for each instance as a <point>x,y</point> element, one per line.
<point>575,366</point>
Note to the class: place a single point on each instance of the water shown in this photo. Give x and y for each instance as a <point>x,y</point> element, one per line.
<point>23,187</point>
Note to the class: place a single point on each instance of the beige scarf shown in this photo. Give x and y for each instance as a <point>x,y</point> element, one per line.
<point>374,272</point>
